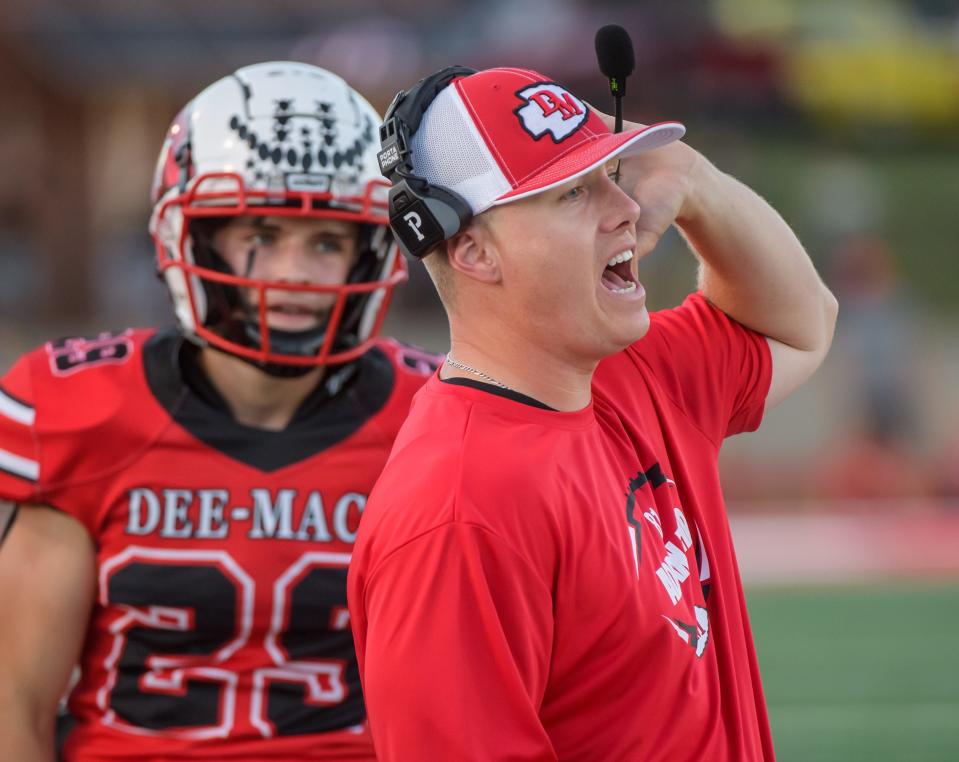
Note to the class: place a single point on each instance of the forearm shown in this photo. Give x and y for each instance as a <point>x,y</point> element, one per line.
<point>27,734</point>
<point>48,577</point>
<point>753,266</point>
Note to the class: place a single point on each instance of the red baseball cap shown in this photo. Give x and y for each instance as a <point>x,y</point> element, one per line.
<point>504,134</point>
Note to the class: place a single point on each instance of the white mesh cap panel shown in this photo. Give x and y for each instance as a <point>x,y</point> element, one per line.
<point>449,152</point>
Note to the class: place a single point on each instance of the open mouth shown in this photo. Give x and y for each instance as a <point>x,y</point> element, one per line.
<point>618,275</point>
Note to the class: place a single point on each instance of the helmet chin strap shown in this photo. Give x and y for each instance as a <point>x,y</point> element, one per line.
<point>274,369</point>
<point>280,370</point>
<point>247,333</point>
<point>300,343</point>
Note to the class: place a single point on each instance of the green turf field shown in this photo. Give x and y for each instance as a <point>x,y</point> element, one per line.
<point>867,673</point>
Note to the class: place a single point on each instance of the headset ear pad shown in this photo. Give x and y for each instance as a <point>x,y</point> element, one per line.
<point>423,216</point>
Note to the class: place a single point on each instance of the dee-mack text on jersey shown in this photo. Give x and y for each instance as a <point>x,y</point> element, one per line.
<point>207,514</point>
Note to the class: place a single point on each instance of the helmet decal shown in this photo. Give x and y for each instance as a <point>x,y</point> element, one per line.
<point>304,148</point>
<point>173,167</point>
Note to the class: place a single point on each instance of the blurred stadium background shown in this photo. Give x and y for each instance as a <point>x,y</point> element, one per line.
<point>843,113</point>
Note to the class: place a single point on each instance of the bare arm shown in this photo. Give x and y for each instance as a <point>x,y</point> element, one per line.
<point>47,583</point>
<point>753,267</point>
<point>756,271</point>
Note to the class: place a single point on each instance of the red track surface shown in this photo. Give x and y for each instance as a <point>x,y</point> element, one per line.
<point>847,543</point>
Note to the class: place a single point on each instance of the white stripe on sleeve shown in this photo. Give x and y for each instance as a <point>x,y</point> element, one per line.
<point>19,466</point>
<point>16,411</point>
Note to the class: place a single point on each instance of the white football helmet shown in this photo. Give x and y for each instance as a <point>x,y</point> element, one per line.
<point>277,139</point>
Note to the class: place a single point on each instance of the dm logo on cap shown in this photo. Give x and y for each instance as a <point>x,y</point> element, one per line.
<point>550,108</point>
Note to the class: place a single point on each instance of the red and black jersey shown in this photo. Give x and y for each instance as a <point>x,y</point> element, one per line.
<point>220,629</point>
<point>547,585</point>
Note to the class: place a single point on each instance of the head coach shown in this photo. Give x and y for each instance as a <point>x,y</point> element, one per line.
<point>544,570</point>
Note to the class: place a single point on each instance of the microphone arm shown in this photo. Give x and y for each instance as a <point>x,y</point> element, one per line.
<point>618,89</point>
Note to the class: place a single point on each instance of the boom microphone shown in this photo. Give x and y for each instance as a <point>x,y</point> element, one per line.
<point>614,52</point>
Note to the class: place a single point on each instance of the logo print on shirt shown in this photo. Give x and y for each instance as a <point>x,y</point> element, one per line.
<point>655,477</point>
<point>74,354</point>
<point>696,635</point>
<point>674,569</point>
<point>547,107</point>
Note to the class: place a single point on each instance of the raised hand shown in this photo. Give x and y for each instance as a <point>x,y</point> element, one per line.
<point>662,182</point>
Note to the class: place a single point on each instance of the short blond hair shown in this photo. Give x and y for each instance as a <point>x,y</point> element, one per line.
<point>438,267</point>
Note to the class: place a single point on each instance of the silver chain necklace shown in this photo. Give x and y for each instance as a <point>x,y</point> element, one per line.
<point>468,369</point>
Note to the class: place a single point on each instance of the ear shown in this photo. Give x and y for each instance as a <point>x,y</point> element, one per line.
<point>473,252</point>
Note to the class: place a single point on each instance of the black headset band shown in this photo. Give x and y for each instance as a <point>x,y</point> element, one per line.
<point>421,215</point>
<point>410,105</point>
<point>403,118</point>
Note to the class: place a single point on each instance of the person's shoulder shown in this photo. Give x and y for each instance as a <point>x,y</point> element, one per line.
<point>709,366</point>
<point>465,461</point>
<point>412,364</point>
<point>72,404</point>
<point>461,450</point>
<point>695,313</point>
<point>86,386</point>
<point>675,336</point>
<point>418,487</point>
<point>78,364</point>
<point>391,374</point>
<point>430,439</point>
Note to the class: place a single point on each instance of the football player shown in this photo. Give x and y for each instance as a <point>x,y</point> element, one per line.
<point>179,506</point>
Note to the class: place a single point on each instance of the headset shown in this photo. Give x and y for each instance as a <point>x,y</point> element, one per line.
<point>421,215</point>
